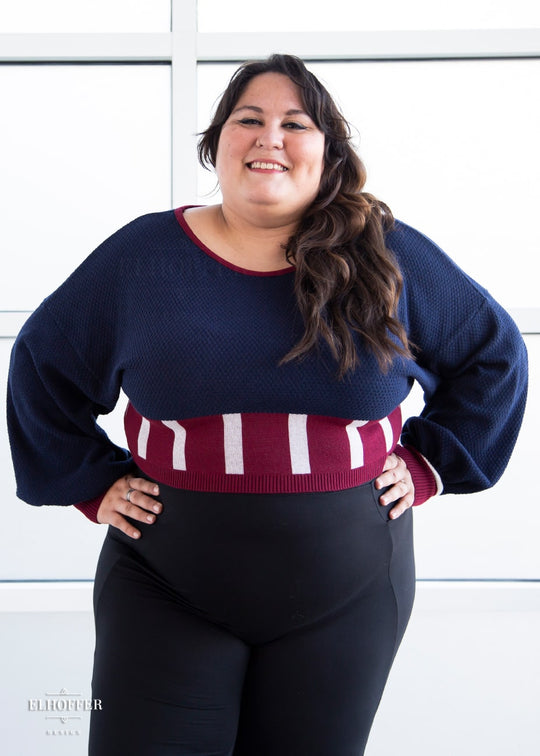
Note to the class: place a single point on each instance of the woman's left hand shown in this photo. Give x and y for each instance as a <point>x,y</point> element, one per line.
<point>396,475</point>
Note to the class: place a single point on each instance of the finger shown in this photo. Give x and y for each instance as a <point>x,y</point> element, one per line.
<point>140,500</point>
<point>132,510</point>
<point>117,521</point>
<point>115,513</point>
<point>109,513</point>
<point>391,461</point>
<point>144,485</point>
<point>392,477</point>
<point>399,509</point>
<point>115,508</point>
<point>401,496</point>
<point>402,490</point>
<point>139,492</point>
<point>394,470</point>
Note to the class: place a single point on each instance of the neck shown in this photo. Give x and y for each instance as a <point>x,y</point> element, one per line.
<point>262,242</point>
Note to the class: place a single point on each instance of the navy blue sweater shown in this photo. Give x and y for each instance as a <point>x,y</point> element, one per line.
<point>187,336</point>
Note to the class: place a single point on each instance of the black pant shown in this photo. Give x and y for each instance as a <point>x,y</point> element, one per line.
<point>249,625</point>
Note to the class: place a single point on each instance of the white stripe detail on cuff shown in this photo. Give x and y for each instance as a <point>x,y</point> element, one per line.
<point>438,479</point>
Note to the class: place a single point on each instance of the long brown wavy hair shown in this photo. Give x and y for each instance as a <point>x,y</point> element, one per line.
<point>346,279</point>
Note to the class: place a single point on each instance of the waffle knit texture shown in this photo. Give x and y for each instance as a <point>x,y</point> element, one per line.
<point>190,337</point>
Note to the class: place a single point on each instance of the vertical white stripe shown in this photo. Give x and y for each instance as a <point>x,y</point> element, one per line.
<point>232,441</point>
<point>298,444</point>
<point>355,443</point>
<point>142,439</point>
<point>388,433</point>
<point>179,445</point>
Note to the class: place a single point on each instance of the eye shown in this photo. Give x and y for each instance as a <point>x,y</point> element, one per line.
<point>294,126</point>
<point>250,121</point>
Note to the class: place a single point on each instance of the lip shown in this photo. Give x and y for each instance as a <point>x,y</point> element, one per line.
<point>267,166</point>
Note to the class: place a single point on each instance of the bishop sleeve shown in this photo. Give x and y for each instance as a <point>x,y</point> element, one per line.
<point>472,364</point>
<point>66,369</point>
<point>60,454</point>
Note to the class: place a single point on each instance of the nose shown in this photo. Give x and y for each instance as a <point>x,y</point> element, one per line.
<point>270,137</point>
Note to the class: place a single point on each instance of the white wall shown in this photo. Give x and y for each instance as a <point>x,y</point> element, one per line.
<point>448,127</point>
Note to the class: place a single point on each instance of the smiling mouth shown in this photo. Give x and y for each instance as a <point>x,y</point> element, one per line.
<point>263,166</point>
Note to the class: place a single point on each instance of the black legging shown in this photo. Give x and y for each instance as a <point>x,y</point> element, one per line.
<point>249,625</point>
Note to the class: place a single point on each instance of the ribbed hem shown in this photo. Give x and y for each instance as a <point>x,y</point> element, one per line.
<point>227,483</point>
<point>425,482</point>
<point>90,508</point>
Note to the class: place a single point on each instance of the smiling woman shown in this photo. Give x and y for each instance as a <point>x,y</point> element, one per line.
<point>269,161</point>
<point>270,154</point>
<point>258,572</point>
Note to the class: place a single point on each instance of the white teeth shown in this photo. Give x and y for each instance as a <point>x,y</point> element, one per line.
<point>267,166</point>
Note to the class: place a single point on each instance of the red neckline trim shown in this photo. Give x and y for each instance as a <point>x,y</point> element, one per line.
<point>179,214</point>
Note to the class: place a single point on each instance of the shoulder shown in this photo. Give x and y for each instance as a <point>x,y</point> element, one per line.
<point>438,298</point>
<point>140,233</point>
<point>131,244</point>
<point>441,303</point>
<point>414,248</point>
<point>118,263</point>
<point>426,266</point>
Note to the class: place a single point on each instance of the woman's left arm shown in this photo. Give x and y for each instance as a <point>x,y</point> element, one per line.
<point>470,422</point>
<point>472,364</point>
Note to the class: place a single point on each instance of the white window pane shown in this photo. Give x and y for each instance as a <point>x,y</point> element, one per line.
<point>361,15</point>
<point>90,16</point>
<point>452,147</point>
<point>83,150</point>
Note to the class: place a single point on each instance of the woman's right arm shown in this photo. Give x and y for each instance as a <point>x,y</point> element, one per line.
<point>60,454</point>
<point>67,367</point>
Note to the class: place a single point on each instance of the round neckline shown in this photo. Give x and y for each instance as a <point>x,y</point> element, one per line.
<point>179,214</point>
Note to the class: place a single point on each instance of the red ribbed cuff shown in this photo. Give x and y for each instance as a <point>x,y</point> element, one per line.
<point>90,508</point>
<point>425,483</point>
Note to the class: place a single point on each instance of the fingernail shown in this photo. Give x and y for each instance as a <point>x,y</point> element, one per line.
<point>156,508</point>
<point>150,518</point>
<point>156,490</point>
<point>136,534</point>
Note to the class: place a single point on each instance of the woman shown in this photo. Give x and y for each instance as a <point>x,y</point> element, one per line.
<point>258,573</point>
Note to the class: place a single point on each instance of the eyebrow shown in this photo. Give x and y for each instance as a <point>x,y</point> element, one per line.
<point>292,111</point>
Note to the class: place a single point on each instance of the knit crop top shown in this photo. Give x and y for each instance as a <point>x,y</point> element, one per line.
<point>196,345</point>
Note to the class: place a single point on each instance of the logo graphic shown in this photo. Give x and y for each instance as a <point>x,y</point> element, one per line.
<point>64,707</point>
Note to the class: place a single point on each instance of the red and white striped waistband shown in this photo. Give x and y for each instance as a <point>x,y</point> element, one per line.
<point>261,452</point>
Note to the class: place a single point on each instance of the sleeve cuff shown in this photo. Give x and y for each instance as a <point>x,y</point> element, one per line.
<point>90,508</point>
<point>427,482</point>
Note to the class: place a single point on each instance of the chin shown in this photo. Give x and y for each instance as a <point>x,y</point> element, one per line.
<point>277,202</point>
<point>274,216</point>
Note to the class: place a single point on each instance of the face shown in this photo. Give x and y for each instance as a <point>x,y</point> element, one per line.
<point>270,154</point>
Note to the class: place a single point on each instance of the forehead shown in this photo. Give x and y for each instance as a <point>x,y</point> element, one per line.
<point>271,90</point>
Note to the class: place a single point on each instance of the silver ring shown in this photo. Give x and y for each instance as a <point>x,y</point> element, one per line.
<point>130,491</point>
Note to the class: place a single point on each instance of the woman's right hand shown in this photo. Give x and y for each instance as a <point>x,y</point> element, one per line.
<point>127,497</point>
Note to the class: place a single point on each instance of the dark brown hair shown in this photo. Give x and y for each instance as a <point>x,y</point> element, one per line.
<point>346,279</point>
